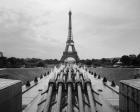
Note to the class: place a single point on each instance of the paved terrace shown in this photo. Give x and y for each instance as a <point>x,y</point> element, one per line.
<point>108,96</point>
<point>31,98</point>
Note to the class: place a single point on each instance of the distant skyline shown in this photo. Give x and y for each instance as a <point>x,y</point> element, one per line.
<point>39,28</point>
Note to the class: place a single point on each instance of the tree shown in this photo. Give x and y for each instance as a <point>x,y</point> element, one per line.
<point>41,64</point>
<point>125,60</point>
<point>132,59</point>
<point>3,62</point>
<point>13,62</point>
<point>115,60</point>
<point>138,59</point>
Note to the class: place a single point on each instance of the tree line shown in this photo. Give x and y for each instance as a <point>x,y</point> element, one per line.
<point>13,62</point>
<point>125,61</point>
<point>130,60</point>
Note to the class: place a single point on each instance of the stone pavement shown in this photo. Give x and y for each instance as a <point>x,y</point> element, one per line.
<point>31,98</point>
<point>107,97</point>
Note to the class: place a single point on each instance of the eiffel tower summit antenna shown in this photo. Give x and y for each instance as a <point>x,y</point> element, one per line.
<point>70,26</point>
<point>70,43</point>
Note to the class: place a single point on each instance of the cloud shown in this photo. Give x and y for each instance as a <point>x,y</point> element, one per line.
<point>22,36</point>
<point>101,28</point>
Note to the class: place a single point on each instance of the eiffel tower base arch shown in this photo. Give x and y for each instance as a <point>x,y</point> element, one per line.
<point>69,54</point>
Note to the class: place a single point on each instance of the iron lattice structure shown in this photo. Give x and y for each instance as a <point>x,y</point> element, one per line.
<point>70,43</point>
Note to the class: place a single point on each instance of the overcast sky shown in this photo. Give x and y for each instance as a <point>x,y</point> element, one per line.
<point>39,28</point>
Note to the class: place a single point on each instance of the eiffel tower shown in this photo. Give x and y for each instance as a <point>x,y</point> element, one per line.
<point>70,43</point>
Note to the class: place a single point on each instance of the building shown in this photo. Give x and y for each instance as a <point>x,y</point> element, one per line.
<point>1,54</point>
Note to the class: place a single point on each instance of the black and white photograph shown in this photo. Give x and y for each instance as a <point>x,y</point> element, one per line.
<point>69,55</point>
